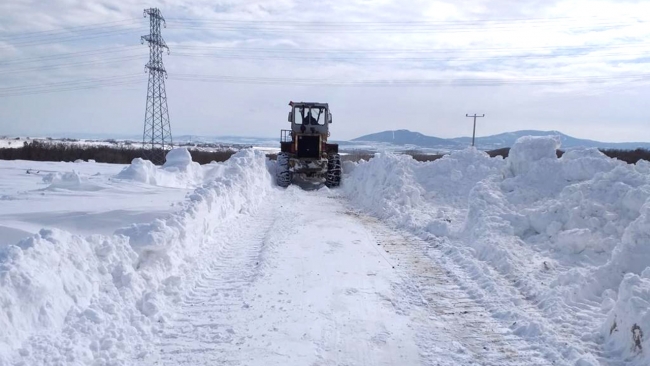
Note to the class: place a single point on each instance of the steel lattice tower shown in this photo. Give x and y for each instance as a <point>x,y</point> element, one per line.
<point>157,136</point>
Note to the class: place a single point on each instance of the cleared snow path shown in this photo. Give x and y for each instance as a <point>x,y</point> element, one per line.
<point>204,328</point>
<point>305,281</point>
<point>452,324</point>
<point>298,285</point>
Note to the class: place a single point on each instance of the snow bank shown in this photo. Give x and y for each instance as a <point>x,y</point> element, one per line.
<point>632,254</point>
<point>74,300</point>
<point>568,232</point>
<point>529,150</point>
<point>179,161</point>
<point>140,170</point>
<point>180,158</point>
<point>385,183</point>
<point>449,180</point>
<point>413,193</point>
<point>179,171</point>
<point>84,288</point>
<point>629,316</point>
<point>163,244</point>
<point>583,212</point>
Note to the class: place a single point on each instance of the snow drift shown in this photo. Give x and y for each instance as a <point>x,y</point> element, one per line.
<point>179,171</point>
<point>568,232</point>
<point>74,300</point>
<point>70,181</point>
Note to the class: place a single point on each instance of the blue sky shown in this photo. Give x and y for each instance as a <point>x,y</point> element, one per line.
<point>580,67</point>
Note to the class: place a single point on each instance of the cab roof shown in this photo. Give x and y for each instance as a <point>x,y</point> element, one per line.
<point>308,104</point>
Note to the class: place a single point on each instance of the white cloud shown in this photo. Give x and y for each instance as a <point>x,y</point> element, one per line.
<point>334,41</point>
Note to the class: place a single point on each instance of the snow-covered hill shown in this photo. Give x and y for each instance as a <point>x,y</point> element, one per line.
<point>406,137</point>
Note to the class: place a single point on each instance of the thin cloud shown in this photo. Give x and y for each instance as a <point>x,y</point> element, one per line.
<point>330,41</point>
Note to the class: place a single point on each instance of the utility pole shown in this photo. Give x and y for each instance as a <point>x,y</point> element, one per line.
<point>157,136</point>
<point>474,132</point>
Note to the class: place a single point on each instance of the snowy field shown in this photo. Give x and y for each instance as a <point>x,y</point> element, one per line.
<point>83,198</point>
<point>225,143</point>
<point>203,144</point>
<point>467,260</point>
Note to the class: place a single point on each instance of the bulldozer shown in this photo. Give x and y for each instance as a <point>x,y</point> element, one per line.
<point>306,158</point>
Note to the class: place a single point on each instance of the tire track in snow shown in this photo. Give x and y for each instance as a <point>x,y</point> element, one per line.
<point>565,332</point>
<point>580,328</point>
<point>445,312</point>
<point>299,290</point>
<point>326,298</point>
<point>556,341</point>
<point>220,321</point>
<point>567,328</point>
<point>205,329</point>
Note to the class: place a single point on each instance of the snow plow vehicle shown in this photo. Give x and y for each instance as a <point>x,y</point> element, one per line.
<point>306,158</point>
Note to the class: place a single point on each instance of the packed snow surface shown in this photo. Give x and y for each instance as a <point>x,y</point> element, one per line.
<point>467,260</point>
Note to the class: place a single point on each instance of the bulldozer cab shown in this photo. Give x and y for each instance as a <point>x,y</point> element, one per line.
<point>310,119</point>
<point>305,156</point>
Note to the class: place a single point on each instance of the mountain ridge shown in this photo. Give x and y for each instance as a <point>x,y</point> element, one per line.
<point>506,139</point>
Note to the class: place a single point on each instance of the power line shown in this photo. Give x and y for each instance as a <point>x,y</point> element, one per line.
<point>70,85</point>
<point>69,64</point>
<point>359,30</point>
<point>407,50</point>
<point>69,82</point>
<point>320,55</point>
<point>133,79</point>
<point>243,54</point>
<point>66,89</point>
<point>398,59</point>
<point>544,19</point>
<point>449,82</point>
<point>379,27</point>
<point>383,26</point>
<point>626,18</point>
<point>61,56</point>
<point>79,27</point>
<point>68,31</point>
<point>395,27</point>
<point>69,38</point>
<point>307,51</point>
<point>396,55</point>
<point>281,25</point>
<point>122,22</point>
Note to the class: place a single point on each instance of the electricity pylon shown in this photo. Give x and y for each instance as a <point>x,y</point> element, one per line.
<point>157,136</point>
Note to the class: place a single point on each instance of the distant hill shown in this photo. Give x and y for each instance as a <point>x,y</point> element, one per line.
<point>406,137</point>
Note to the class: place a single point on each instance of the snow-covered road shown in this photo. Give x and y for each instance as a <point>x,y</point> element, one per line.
<point>307,281</point>
<point>299,283</point>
